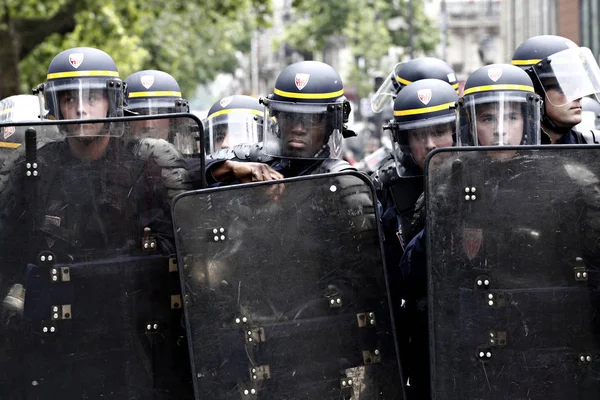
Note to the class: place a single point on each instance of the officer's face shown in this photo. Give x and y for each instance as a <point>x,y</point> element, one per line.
<point>567,115</point>
<point>499,124</point>
<point>303,134</point>
<point>151,128</point>
<point>85,104</point>
<point>422,141</point>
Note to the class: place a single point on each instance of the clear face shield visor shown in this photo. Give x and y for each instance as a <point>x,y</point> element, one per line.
<point>81,99</point>
<point>412,141</point>
<point>569,75</point>
<point>387,92</point>
<point>236,126</point>
<point>509,118</point>
<point>303,131</point>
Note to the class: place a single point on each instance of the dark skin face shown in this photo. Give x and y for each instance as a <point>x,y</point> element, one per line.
<point>304,137</point>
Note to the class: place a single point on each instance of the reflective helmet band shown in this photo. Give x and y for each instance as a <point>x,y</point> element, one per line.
<point>403,81</point>
<point>165,93</point>
<point>74,74</point>
<point>234,111</point>
<point>487,88</point>
<point>524,62</point>
<point>310,96</point>
<point>424,110</point>
<point>9,145</point>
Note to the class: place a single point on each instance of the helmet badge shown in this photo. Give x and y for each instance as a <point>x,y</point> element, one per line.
<point>147,81</point>
<point>302,80</point>
<point>76,59</point>
<point>424,95</point>
<point>494,74</point>
<point>225,101</point>
<point>8,131</point>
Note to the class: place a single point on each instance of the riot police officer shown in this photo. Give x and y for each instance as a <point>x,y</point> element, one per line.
<point>153,92</point>
<point>424,119</point>
<point>304,123</point>
<point>562,73</point>
<point>234,120</point>
<point>80,201</point>
<point>83,83</point>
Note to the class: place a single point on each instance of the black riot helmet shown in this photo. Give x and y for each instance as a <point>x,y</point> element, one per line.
<point>408,72</point>
<point>306,113</point>
<point>86,81</point>
<point>555,62</point>
<point>424,119</point>
<point>151,92</point>
<point>499,108</point>
<point>234,120</point>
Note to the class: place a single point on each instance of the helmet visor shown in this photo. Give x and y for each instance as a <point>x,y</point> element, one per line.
<point>155,106</point>
<point>306,131</point>
<point>238,126</point>
<point>508,118</point>
<point>386,93</point>
<point>413,141</point>
<point>569,75</point>
<point>81,99</point>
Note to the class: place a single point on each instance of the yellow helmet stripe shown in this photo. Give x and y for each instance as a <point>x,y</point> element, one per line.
<point>235,111</point>
<point>407,82</point>
<point>403,81</point>
<point>164,93</point>
<point>74,74</point>
<point>525,62</point>
<point>487,88</point>
<point>424,110</point>
<point>6,111</point>
<point>9,145</point>
<point>310,96</point>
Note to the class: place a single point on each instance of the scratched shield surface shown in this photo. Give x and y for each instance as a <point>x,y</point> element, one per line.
<point>512,273</point>
<point>90,303</point>
<point>284,288</point>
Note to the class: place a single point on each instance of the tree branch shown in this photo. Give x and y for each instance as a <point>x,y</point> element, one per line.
<point>33,31</point>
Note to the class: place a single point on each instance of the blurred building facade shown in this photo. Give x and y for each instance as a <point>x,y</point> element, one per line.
<point>472,34</point>
<point>576,20</point>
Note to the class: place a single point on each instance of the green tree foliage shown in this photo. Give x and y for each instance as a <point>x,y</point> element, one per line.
<point>370,28</point>
<point>192,40</point>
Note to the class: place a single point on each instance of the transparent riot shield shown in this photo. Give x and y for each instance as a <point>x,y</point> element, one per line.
<point>513,250</point>
<point>90,305</point>
<point>285,291</point>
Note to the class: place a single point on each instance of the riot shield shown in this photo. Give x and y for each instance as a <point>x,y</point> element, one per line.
<point>513,256</point>
<point>90,305</point>
<point>285,292</point>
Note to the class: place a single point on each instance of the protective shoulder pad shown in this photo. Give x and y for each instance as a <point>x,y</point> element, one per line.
<point>334,165</point>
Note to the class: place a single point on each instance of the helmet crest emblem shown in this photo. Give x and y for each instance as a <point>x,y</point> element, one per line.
<point>225,101</point>
<point>494,74</point>
<point>8,131</point>
<point>424,95</point>
<point>147,81</point>
<point>75,59</point>
<point>301,80</point>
